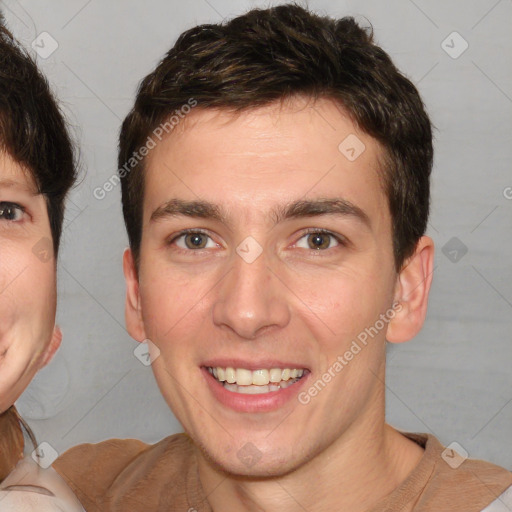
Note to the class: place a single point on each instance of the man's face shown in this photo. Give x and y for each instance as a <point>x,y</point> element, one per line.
<point>27,281</point>
<point>265,248</point>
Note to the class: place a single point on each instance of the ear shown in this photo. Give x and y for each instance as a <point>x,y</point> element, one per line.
<point>411,293</point>
<point>53,346</point>
<point>132,309</point>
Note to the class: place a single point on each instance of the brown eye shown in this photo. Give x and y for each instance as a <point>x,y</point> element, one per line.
<point>196,240</point>
<point>319,240</point>
<point>10,211</point>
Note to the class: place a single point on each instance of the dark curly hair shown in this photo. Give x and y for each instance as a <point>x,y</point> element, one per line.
<point>273,54</point>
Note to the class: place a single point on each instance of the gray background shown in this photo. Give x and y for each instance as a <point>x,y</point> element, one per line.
<point>454,379</point>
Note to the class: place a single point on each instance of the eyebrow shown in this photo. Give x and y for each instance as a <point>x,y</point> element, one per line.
<point>8,183</point>
<point>297,209</point>
<point>178,207</point>
<point>316,207</point>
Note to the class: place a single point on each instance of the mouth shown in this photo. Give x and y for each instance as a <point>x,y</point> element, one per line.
<point>256,382</point>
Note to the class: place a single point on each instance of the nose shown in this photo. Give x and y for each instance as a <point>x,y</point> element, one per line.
<point>251,299</point>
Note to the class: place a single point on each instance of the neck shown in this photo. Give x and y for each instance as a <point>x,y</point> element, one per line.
<point>365,464</point>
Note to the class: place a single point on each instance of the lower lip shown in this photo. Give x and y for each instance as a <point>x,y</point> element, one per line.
<point>264,402</point>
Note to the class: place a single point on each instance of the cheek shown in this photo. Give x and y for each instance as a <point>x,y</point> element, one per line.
<point>22,344</point>
<point>173,303</point>
<point>17,370</point>
<point>40,293</point>
<point>342,301</point>
<point>14,263</point>
<point>27,305</point>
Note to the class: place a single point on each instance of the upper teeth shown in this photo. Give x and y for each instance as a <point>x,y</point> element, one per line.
<point>244,377</point>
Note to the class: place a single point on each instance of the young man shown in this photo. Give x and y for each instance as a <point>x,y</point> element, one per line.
<point>275,178</point>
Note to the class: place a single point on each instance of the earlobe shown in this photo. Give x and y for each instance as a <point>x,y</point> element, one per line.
<point>53,346</point>
<point>412,289</point>
<point>133,313</point>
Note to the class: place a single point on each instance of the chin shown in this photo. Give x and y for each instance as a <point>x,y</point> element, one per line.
<point>249,461</point>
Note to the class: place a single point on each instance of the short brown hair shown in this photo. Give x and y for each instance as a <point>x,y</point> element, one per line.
<point>32,129</point>
<point>273,54</point>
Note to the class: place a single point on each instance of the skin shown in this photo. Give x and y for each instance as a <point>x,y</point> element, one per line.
<point>293,303</point>
<point>28,336</point>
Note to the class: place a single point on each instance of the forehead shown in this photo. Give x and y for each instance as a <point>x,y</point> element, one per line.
<point>14,175</point>
<point>252,160</point>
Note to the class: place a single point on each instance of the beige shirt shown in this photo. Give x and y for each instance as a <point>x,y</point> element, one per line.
<point>128,475</point>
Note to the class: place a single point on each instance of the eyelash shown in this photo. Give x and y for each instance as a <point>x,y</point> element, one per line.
<point>342,241</point>
<point>6,205</point>
<point>185,232</point>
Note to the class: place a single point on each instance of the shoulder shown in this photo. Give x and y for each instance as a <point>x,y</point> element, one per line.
<point>453,466</point>
<point>113,454</point>
<point>114,468</point>
<point>460,482</point>
<point>27,500</point>
<point>164,474</point>
<point>89,469</point>
<point>30,487</point>
<point>503,503</point>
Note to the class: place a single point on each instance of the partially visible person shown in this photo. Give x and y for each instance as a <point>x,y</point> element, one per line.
<point>37,169</point>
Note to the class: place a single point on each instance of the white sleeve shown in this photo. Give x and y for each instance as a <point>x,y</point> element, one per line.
<point>503,503</point>
<point>31,500</point>
<point>31,488</point>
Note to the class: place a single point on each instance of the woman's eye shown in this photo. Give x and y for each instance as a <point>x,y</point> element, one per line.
<point>11,211</point>
<point>317,241</point>
<point>194,240</point>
